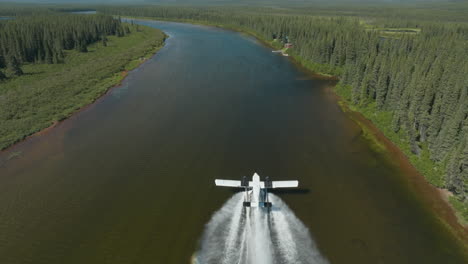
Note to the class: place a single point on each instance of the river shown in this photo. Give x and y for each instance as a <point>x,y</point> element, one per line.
<point>130,179</point>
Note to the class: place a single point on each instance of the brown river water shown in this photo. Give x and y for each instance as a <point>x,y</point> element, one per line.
<point>130,179</point>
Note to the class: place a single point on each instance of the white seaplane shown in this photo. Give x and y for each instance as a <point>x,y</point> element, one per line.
<point>256,191</point>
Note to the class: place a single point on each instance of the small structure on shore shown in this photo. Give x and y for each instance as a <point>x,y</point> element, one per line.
<point>283,39</point>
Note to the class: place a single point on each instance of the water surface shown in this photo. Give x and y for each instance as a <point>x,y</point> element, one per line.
<point>130,179</point>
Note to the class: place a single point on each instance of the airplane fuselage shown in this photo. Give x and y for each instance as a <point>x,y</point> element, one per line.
<point>256,194</point>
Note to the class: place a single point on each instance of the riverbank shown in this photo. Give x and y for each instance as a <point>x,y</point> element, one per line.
<point>49,93</point>
<point>372,130</point>
<point>439,199</point>
<point>431,171</point>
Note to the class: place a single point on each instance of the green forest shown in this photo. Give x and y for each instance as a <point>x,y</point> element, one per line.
<point>51,66</point>
<point>401,69</point>
<point>43,39</point>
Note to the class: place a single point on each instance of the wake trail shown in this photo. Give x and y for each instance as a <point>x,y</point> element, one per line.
<point>239,235</point>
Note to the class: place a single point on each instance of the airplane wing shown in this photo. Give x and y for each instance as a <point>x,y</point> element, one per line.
<point>285,184</point>
<point>228,183</point>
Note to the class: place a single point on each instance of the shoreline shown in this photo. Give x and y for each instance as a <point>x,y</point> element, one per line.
<point>446,213</point>
<point>123,75</point>
<point>54,124</point>
<point>439,198</point>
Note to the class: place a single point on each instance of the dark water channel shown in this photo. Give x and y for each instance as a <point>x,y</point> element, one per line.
<point>130,179</point>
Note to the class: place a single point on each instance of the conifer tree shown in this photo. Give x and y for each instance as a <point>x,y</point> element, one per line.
<point>104,41</point>
<point>13,67</point>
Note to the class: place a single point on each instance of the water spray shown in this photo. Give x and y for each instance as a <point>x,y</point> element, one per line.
<point>256,235</point>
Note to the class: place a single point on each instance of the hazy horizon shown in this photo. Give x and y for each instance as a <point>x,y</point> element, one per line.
<point>233,1</point>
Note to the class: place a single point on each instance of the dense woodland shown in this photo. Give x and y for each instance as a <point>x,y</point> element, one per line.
<point>415,78</point>
<point>43,39</point>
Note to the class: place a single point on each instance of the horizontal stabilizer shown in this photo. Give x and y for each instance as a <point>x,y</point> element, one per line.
<point>228,183</point>
<point>285,184</point>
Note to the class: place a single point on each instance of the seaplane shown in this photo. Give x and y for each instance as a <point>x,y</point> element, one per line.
<point>256,191</point>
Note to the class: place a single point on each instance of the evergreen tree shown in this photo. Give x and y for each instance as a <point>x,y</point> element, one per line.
<point>104,41</point>
<point>13,67</point>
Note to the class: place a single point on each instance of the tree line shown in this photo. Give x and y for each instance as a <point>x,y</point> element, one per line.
<point>416,78</point>
<point>43,39</point>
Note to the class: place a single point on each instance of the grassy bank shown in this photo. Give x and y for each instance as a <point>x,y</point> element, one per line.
<point>432,171</point>
<point>383,119</point>
<point>48,93</point>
